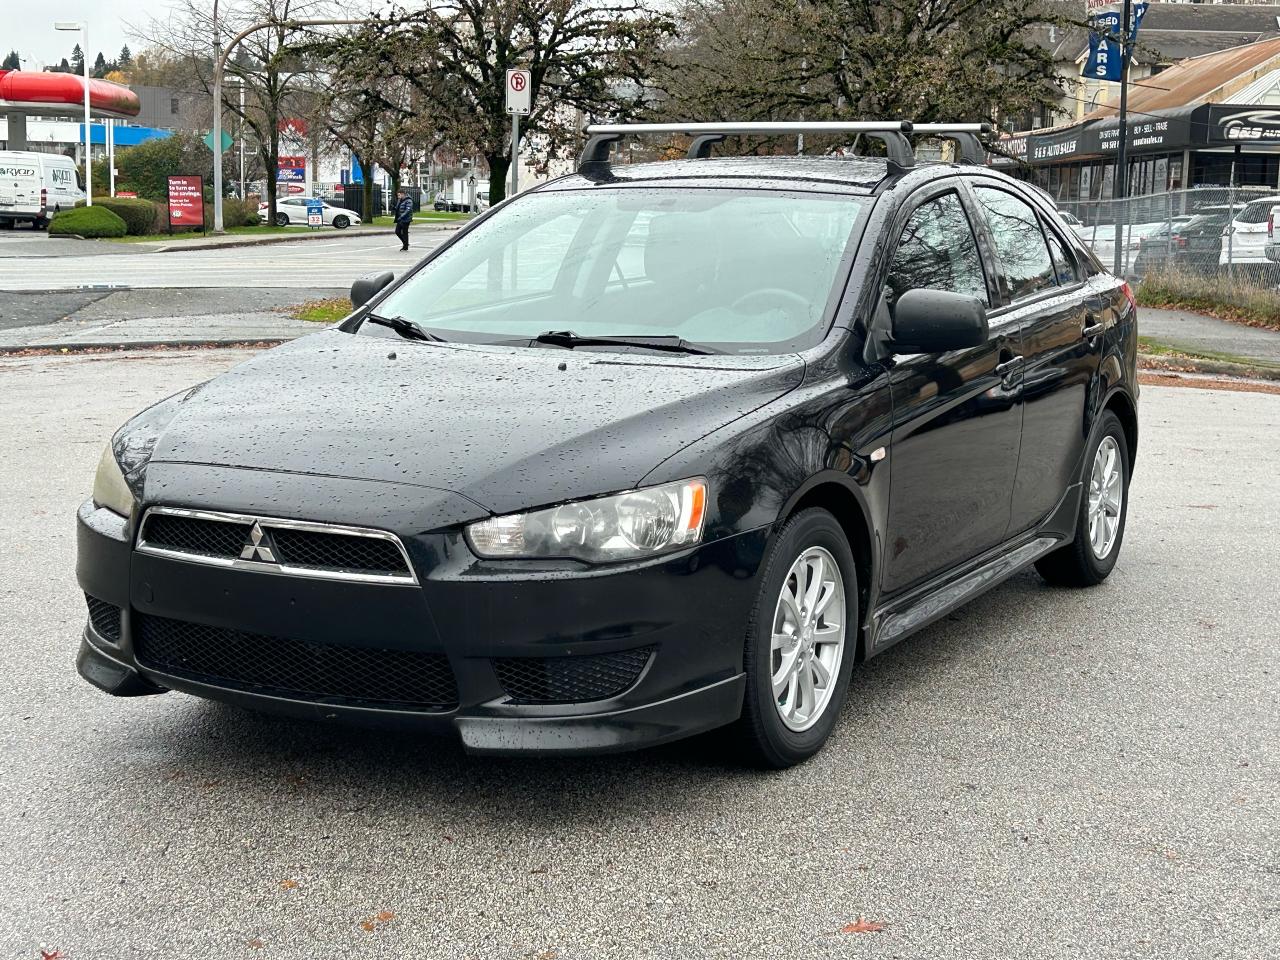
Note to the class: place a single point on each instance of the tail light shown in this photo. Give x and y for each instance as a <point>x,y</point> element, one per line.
<point>44,200</point>
<point>1271,224</point>
<point>1180,241</point>
<point>1128,295</point>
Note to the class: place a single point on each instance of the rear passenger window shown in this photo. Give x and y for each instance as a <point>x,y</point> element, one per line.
<point>937,251</point>
<point>1063,264</point>
<point>1015,228</point>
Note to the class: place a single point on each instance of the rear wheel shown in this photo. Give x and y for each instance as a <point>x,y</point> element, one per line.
<point>282,219</point>
<point>341,222</point>
<point>800,642</point>
<point>1090,557</point>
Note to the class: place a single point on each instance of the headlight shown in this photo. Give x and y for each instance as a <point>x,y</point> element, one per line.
<point>109,488</point>
<point>628,526</point>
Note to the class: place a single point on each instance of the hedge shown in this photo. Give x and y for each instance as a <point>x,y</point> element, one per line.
<point>92,221</point>
<point>141,217</point>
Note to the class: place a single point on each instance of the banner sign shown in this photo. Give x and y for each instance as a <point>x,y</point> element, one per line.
<point>291,170</point>
<point>186,202</point>
<point>1104,46</point>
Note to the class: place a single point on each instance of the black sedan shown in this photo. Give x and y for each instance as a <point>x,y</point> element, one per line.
<point>646,451</point>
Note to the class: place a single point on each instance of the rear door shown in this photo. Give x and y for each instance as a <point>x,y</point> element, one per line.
<point>19,186</point>
<point>1246,237</point>
<point>1058,320</point>
<point>956,419</point>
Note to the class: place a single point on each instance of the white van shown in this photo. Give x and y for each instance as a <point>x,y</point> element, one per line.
<point>35,186</point>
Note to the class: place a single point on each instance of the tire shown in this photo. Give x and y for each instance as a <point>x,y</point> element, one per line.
<point>765,738</point>
<point>341,222</point>
<point>282,219</point>
<point>1078,564</point>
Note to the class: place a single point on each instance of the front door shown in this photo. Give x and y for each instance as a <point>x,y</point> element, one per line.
<point>957,421</point>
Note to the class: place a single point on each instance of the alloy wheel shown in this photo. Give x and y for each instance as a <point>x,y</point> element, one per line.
<point>808,638</point>
<point>1106,497</point>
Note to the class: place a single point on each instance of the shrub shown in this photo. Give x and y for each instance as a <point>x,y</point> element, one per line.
<point>92,221</point>
<point>1222,296</point>
<point>239,213</point>
<point>141,217</point>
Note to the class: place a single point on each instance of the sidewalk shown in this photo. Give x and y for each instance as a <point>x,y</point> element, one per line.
<point>1219,341</point>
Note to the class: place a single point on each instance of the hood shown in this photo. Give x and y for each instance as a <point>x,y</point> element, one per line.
<point>505,427</point>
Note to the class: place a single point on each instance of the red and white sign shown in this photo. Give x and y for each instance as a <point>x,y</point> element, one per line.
<point>127,194</point>
<point>186,202</point>
<point>294,188</point>
<point>519,91</point>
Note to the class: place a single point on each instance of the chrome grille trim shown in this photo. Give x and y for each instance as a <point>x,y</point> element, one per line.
<point>408,578</point>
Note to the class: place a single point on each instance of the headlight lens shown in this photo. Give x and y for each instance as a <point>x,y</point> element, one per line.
<point>109,488</point>
<point>628,526</point>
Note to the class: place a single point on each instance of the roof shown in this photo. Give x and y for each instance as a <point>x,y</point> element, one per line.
<point>28,91</point>
<point>1200,80</point>
<point>839,174</point>
<point>1170,31</point>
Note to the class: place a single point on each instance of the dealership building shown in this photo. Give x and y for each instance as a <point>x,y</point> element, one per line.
<point>1209,120</point>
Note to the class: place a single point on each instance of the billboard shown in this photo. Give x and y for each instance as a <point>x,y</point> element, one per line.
<point>186,201</point>
<point>291,170</point>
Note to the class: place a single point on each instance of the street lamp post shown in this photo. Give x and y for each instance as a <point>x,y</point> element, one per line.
<point>84,62</point>
<point>219,68</point>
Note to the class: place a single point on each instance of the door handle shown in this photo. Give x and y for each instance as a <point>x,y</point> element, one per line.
<point>1009,366</point>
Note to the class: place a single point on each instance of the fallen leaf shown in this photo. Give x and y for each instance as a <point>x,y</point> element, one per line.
<point>538,870</point>
<point>256,943</point>
<point>288,883</point>
<point>551,954</point>
<point>386,916</point>
<point>367,926</point>
<point>863,926</point>
<point>56,955</point>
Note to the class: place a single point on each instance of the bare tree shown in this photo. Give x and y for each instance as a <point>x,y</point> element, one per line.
<point>266,62</point>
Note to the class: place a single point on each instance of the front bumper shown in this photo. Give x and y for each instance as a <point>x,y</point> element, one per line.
<point>689,611</point>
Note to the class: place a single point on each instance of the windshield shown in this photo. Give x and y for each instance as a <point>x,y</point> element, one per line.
<point>740,271</point>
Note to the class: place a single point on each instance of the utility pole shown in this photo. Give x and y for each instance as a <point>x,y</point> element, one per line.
<point>1120,185</point>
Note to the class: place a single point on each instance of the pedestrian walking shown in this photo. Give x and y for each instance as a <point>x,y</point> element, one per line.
<point>404,217</point>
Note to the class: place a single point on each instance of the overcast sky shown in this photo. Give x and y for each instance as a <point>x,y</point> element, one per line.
<point>33,36</point>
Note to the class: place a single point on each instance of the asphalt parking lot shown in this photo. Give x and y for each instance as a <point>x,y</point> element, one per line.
<point>1047,773</point>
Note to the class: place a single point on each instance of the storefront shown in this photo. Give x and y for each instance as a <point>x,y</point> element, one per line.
<point>1172,149</point>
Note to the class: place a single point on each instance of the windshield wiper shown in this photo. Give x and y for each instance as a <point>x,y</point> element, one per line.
<point>406,328</point>
<point>670,344</point>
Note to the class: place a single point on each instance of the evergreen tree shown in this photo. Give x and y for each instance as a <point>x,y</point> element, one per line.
<point>64,66</point>
<point>100,65</point>
<point>77,59</point>
<point>126,57</point>
<point>12,61</point>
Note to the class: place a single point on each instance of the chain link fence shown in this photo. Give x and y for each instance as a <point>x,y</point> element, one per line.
<point>1213,232</point>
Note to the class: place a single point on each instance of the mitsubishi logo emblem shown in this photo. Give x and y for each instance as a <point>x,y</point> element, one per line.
<point>258,546</point>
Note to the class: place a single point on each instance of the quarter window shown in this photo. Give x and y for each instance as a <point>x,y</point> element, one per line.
<point>1015,228</point>
<point>937,251</point>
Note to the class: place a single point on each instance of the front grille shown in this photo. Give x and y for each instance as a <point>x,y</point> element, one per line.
<point>306,548</point>
<point>210,538</point>
<point>295,668</point>
<point>299,548</point>
<point>570,679</point>
<point>105,618</point>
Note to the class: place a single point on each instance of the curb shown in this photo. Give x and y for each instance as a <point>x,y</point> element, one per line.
<point>45,350</point>
<point>1156,364</point>
<point>286,238</point>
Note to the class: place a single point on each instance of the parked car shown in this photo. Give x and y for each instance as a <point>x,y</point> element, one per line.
<point>1244,239</point>
<point>34,186</point>
<point>293,210</point>
<point>1192,247</point>
<point>733,425</point>
<point>1272,248</point>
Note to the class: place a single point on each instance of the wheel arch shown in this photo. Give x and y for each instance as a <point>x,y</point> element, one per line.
<point>1121,404</point>
<point>835,493</point>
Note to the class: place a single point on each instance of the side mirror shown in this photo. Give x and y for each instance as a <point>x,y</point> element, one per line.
<point>935,321</point>
<point>363,290</point>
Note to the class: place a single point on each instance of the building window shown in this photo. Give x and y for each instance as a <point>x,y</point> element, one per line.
<point>173,105</point>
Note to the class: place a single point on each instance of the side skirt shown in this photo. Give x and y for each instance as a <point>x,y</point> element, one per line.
<point>903,616</point>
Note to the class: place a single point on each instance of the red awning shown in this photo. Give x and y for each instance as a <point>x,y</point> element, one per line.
<point>62,94</point>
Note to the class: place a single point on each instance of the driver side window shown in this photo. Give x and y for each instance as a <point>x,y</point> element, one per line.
<point>937,251</point>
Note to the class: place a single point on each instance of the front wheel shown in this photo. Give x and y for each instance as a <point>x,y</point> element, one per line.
<point>1090,557</point>
<point>800,642</point>
<point>341,222</point>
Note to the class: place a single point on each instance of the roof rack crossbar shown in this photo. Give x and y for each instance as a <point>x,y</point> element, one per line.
<point>758,127</point>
